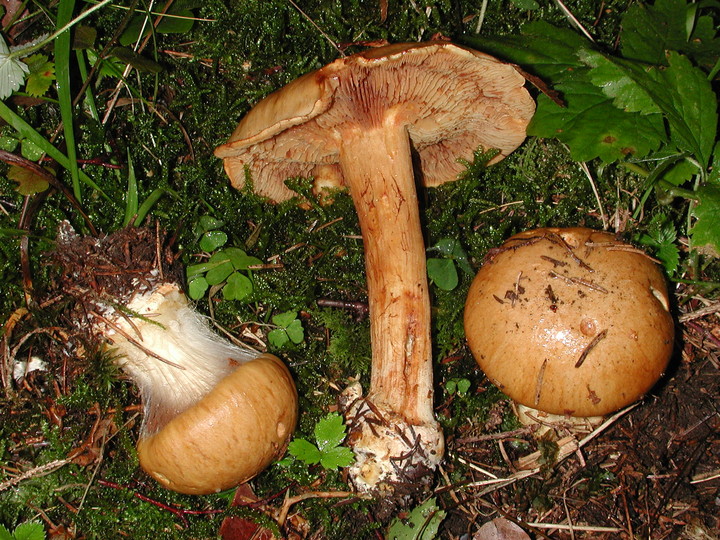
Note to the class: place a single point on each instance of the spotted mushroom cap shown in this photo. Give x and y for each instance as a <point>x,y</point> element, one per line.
<point>570,321</point>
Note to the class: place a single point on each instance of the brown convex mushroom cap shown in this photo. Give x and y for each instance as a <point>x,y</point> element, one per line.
<point>230,435</point>
<point>570,321</point>
<point>452,100</point>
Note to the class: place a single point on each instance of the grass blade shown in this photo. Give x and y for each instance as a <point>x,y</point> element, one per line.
<point>62,74</point>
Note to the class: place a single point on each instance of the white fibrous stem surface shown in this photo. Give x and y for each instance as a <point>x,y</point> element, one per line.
<point>393,430</point>
<point>170,352</point>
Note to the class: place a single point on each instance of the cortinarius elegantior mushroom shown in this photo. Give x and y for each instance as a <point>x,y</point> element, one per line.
<point>216,414</point>
<point>570,321</point>
<point>371,119</point>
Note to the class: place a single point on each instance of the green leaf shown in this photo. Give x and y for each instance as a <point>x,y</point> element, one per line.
<point>239,259</point>
<point>205,224</point>
<point>9,144</point>
<point>593,127</point>
<point>84,37</point>
<point>278,338</point>
<point>617,84</point>
<point>660,237</point>
<point>305,451</point>
<point>284,319</point>
<point>197,288</point>
<point>705,232</point>
<point>29,531</point>
<point>26,131</point>
<point>237,287</point>
<point>329,432</point>
<point>442,273</point>
<point>422,523</point>
<point>177,20</point>
<point>681,92</point>
<point>5,534</point>
<point>30,150</point>
<point>451,248</point>
<point>12,71</point>
<point>690,105</point>
<point>335,458</point>
<point>221,268</point>
<point>212,240</point>
<point>64,90</point>
<point>295,331</point>
<point>138,61</point>
<point>648,31</point>
<point>463,385</point>
<point>545,50</point>
<point>42,74</point>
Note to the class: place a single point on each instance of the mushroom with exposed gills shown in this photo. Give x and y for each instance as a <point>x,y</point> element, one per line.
<point>571,322</point>
<point>375,119</point>
<point>216,414</point>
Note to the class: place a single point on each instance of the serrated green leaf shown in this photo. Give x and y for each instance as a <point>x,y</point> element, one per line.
<point>295,331</point>
<point>212,240</point>
<point>329,432</point>
<point>237,287</point>
<point>12,71</point>
<point>593,127</point>
<point>337,457</point>
<point>5,534</point>
<point>442,273</point>
<point>661,237</point>
<point>423,523</point>
<point>705,232</point>
<point>305,451</point>
<point>29,531</point>
<point>649,30</point>
<point>681,92</point>
<point>690,105</point>
<point>617,84</point>
<point>680,173</point>
<point>284,319</point>
<point>41,76</point>
<point>197,288</point>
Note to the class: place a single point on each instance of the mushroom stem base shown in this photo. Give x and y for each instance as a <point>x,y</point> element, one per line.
<point>391,455</point>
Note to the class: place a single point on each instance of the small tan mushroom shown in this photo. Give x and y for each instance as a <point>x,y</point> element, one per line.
<point>230,435</point>
<point>378,122</point>
<point>570,321</point>
<point>216,415</point>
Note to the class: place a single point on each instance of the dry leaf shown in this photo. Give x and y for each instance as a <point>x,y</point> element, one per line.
<point>501,529</point>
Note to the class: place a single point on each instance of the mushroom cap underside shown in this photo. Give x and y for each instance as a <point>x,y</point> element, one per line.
<point>451,99</point>
<point>570,321</point>
<point>230,435</point>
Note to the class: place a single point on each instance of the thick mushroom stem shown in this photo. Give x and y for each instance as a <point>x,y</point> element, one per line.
<point>394,434</point>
